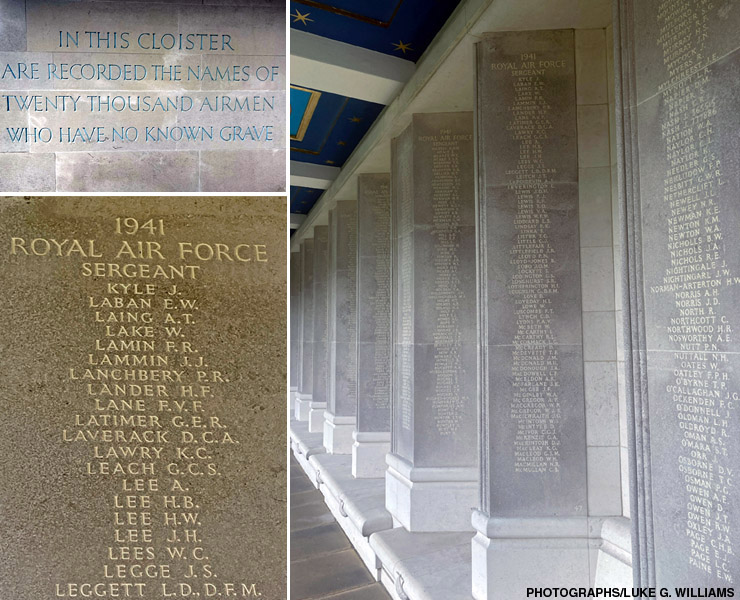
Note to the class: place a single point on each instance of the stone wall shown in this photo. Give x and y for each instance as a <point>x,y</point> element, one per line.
<point>142,97</point>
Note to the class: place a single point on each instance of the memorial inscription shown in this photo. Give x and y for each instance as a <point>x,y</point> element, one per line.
<point>447,290</point>
<point>347,310</point>
<point>687,119</point>
<point>535,406</point>
<point>320,306</point>
<point>343,310</point>
<point>295,320</point>
<point>373,303</point>
<point>306,386</point>
<point>433,293</point>
<point>404,276</point>
<point>381,301</point>
<point>132,414</point>
<point>97,82</point>
<point>532,297</point>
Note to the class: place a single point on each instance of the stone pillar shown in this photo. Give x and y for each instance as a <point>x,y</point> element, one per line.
<point>678,90</point>
<point>373,434</point>
<point>295,327</point>
<point>533,435</point>
<point>305,386</point>
<point>317,404</point>
<point>341,410</point>
<point>432,475</point>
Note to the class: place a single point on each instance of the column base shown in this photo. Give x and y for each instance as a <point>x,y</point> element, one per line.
<point>316,416</point>
<point>508,555</point>
<point>368,453</point>
<point>338,433</point>
<point>302,403</point>
<point>430,498</point>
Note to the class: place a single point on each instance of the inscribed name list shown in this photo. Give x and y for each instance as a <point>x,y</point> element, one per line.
<point>143,409</point>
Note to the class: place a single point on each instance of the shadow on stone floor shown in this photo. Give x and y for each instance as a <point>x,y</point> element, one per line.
<point>323,563</point>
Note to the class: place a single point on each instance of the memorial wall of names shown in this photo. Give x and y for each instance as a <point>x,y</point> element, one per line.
<point>687,119</point>
<point>343,310</point>
<point>531,295</point>
<point>435,348</point>
<point>142,435</point>
<point>403,292</point>
<point>373,303</point>
<point>305,388</point>
<point>320,315</point>
<point>295,319</point>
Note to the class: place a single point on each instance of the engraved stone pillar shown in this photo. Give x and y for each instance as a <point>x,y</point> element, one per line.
<point>306,382</point>
<point>679,122</point>
<point>373,434</point>
<point>295,327</point>
<point>432,475</point>
<point>533,445</point>
<point>317,404</point>
<point>341,410</point>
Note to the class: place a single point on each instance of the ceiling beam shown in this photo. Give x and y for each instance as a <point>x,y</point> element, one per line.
<point>331,66</point>
<point>296,220</point>
<point>313,176</point>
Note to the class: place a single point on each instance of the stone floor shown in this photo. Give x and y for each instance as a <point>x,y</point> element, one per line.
<point>323,563</point>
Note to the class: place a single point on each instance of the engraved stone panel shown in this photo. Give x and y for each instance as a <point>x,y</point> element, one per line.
<point>295,319</point>
<point>435,340</point>
<point>343,310</point>
<point>373,303</point>
<point>143,422</point>
<point>532,359</point>
<point>102,86</point>
<point>306,385</point>
<point>688,100</point>
<point>321,311</point>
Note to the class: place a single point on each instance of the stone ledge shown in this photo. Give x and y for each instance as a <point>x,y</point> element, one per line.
<point>304,445</point>
<point>616,537</point>
<point>362,501</point>
<point>424,566</point>
<point>356,504</point>
<point>614,553</point>
<point>436,566</point>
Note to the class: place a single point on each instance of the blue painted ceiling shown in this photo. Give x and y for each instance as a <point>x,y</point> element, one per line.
<point>398,27</point>
<point>302,199</point>
<point>334,125</point>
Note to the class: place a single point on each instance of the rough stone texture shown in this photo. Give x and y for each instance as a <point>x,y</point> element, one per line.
<point>13,25</point>
<point>227,99</point>
<point>64,518</point>
<point>295,319</point>
<point>126,171</point>
<point>531,293</point>
<point>680,121</point>
<point>373,303</point>
<point>320,313</point>
<point>343,310</point>
<point>306,386</point>
<point>23,172</point>
<point>225,170</point>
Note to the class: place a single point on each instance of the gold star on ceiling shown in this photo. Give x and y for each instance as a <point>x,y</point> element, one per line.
<point>329,162</point>
<point>355,119</point>
<point>401,46</point>
<point>302,18</point>
<point>341,143</point>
